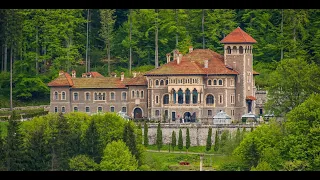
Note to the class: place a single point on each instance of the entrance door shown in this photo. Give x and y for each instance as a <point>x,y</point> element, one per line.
<point>173,116</point>
<point>137,113</point>
<point>187,116</point>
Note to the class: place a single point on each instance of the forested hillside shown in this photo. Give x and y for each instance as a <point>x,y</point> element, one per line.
<point>40,42</point>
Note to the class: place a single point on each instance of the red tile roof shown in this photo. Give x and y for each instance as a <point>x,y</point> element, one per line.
<point>193,63</point>
<point>95,74</point>
<point>139,80</point>
<point>105,82</point>
<point>250,98</point>
<point>238,36</point>
<point>63,80</point>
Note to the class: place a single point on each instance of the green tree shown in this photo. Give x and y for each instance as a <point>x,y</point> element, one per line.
<point>187,139</point>
<point>91,142</point>
<point>209,142</point>
<point>107,27</point>
<point>129,137</point>
<point>2,151</point>
<point>173,140</point>
<point>139,134</point>
<point>238,137</point>
<point>117,157</point>
<point>14,148</point>
<point>83,163</point>
<point>159,137</point>
<point>145,135</point>
<point>291,84</point>
<point>180,140</point>
<point>216,141</point>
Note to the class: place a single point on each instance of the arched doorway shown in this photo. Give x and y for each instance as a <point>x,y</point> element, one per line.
<point>187,116</point>
<point>137,113</point>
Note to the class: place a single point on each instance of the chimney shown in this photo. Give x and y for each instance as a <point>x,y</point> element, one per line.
<point>190,49</point>
<point>113,74</point>
<point>206,63</point>
<point>122,76</point>
<point>61,72</point>
<point>73,73</point>
<point>179,58</point>
<point>134,74</point>
<point>175,54</point>
<point>168,57</point>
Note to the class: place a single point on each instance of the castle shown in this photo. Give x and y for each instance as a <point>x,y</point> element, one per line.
<point>196,85</point>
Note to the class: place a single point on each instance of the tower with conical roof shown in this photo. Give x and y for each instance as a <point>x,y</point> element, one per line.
<point>238,54</point>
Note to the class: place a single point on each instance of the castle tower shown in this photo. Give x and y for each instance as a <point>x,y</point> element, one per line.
<point>238,54</point>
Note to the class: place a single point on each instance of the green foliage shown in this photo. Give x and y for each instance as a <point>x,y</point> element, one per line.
<point>83,163</point>
<point>209,141</point>
<point>173,140</point>
<point>117,157</point>
<point>262,166</point>
<point>139,134</point>
<point>159,137</point>
<point>291,84</point>
<point>145,135</point>
<point>14,148</point>
<point>91,142</point>
<point>216,141</point>
<point>180,140</point>
<point>2,151</point>
<point>187,139</point>
<point>129,137</point>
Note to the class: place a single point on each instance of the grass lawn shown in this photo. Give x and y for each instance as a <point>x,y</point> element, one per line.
<point>164,161</point>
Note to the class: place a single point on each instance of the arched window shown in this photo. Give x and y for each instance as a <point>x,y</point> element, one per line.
<point>161,82</point>
<point>228,50</point>
<point>215,82</point>
<point>157,82</point>
<point>209,82</point>
<point>87,96</point>
<point>195,96</point>
<point>166,99</point>
<point>157,113</point>
<point>63,95</point>
<point>142,94</point>
<point>180,96</point>
<point>63,109</point>
<point>112,96</point>
<point>187,96</point>
<point>167,82</point>
<point>124,95</point>
<point>234,49</point>
<point>55,95</point>
<point>174,95</point>
<point>75,109</point>
<point>132,94</point>
<point>138,94</point>
<point>241,50</point>
<point>220,82</point>
<point>209,99</point>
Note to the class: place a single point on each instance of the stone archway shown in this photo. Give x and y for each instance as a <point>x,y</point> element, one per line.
<point>187,117</point>
<point>137,113</point>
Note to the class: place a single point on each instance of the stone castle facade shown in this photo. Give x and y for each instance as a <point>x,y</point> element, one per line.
<point>192,86</point>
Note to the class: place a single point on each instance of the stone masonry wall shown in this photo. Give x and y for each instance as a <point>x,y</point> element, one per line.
<point>198,132</point>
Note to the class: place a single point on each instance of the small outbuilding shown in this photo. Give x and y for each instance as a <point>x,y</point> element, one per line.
<point>249,117</point>
<point>221,118</point>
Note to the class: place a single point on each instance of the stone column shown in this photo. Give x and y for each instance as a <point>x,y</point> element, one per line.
<point>191,98</point>
<point>184,98</point>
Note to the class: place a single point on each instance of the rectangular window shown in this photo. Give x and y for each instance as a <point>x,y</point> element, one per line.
<point>220,99</point>
<point>209,112</point>
<point>99,109</point>
<point>157,99</point>
<point>124,95</point>
<point>260,111</point>
<point>87,96</point>
<point>87,109</point>
<point>232,99</point>
<point>63,109</point>
<point>124,109</point>
<point>157,113</point>
<point>112,96</point>
<point>75,96</point>
<point>55,109</point>
<point>111,109</point>
<point>63,95</point>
